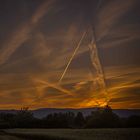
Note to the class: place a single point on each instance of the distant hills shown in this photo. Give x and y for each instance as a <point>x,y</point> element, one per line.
<point>42,112</point>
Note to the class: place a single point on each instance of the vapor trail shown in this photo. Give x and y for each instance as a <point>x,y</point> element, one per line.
<point>69,62</point>
<point>106,17</point>
<point>98,67</point>
<point>55,86</point>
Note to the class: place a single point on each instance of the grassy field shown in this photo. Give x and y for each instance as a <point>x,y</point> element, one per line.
<point>71,134</point>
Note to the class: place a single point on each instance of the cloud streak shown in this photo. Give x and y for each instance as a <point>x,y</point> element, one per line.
<point>22,33</point>
<point>110,15</point>
<point>34,57</point>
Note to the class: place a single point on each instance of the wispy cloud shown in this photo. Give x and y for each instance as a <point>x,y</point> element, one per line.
<point>110,14</point>
<point>22,33</point>
<point>31,76</point>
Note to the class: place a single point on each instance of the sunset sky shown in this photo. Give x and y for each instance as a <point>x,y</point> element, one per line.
<point>38,38</point>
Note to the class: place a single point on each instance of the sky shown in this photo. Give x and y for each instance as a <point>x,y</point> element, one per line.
<point>38,38</point>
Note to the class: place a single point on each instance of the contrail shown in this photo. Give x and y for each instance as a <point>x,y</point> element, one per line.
<point>96,60</point>
<point>97,65</point>
<point>69,62</point>
<point>55,86</point>
<point>109,16</point>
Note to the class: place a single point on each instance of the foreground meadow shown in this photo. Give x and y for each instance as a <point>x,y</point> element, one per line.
<point>71,134</point>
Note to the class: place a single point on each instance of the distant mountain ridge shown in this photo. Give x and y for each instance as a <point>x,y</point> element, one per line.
<point>42,112</point>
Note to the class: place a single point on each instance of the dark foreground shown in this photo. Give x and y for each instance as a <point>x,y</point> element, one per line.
<point>70,134</point>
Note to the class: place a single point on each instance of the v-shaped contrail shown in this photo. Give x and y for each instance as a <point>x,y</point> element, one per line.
<point>94,55</point>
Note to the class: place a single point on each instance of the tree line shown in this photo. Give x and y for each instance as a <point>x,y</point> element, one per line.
<point>101,118</point>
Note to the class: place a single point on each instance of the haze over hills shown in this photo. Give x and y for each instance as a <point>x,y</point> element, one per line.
<point>42,112</point>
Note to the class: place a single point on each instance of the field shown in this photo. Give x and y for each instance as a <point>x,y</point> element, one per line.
<point>70,134</point>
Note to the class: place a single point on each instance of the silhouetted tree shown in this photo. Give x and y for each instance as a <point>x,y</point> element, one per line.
<point>109,119</point>
<point>79,120</point>
<point>103,118</point>
<point>24,118</point>
<point>6,120</point>
<point>59,120</point>
<point>133,121</point>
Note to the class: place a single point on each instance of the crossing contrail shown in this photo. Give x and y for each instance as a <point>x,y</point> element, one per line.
<point>69,62</point>
<point>55,86</point>
<point>98,67</point>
